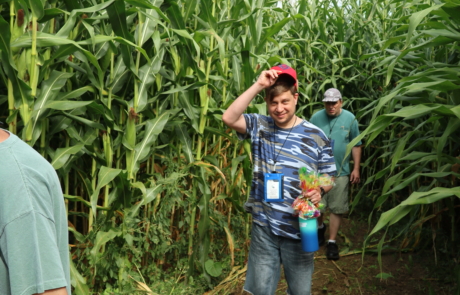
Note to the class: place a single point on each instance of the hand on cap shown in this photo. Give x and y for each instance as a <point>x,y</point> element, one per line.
<point>268,78</point>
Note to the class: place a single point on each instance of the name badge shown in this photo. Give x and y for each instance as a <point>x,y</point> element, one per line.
<point>273,186</point>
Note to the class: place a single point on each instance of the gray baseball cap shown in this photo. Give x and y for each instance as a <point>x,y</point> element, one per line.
<point>332,94</point>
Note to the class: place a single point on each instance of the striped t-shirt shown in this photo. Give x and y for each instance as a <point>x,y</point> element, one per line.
<point>305,146</point>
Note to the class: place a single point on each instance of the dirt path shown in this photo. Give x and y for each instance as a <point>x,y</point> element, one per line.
<point>405,273</point>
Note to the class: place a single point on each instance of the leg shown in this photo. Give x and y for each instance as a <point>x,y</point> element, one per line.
<point>334,225</point>
<point>338,205</point>
<point>264,262</point>
<point>298,267</point>
<point>321,230</point>
<point>321,224</point>
<point>332,250</point>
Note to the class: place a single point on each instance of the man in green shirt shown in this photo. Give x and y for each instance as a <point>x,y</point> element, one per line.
<point>34,243</point>
<point>341,127</point>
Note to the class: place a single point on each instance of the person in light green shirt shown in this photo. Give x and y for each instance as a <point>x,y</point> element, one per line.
<point>341,127</point>
<point>34,241</point>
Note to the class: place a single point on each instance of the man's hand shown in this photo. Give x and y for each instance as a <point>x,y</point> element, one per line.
<point>233,116</point>
<point>356,153</point>
<point>314,196</point>
<point>354,176</point>
<point>267,78</point>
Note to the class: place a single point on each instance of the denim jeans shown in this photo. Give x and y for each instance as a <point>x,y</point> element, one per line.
<point>266,254</point>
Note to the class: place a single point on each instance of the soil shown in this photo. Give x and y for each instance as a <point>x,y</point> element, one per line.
<point>403,273</point>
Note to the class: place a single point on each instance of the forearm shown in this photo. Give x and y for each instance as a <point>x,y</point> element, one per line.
<point>327,188</point>
<point>356,154</point>
<point>237,108</point>
<point>233,116</point>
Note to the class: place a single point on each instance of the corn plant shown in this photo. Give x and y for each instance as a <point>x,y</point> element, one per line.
<point>125,98</point>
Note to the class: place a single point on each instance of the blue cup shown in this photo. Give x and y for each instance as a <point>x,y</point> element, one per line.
<point>309,234</point>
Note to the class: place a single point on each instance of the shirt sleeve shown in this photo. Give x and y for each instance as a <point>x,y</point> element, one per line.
<point>31,254</point>
<point>326,163</point>
<point>251,123</point>
<point>354,132</point>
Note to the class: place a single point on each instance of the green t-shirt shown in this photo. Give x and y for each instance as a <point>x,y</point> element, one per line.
<point>34,241</point>
<point>342,129</point>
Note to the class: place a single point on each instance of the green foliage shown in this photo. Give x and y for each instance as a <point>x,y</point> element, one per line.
<point>383,276</point>
<point>213,268</point>
<point>125,99</point>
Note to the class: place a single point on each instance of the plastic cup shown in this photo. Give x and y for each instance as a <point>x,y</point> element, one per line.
<point>309,234</point>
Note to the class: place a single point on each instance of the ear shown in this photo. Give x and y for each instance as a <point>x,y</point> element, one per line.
<point>296,97</point>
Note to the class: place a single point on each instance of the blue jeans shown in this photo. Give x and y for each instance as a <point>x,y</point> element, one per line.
<point>266,254</point>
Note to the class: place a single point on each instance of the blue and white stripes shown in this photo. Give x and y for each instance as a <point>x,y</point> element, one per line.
<point>306,146</point>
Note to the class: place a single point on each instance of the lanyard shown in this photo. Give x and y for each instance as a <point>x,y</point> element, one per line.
<point>330,128</point>
<point>273,143</point>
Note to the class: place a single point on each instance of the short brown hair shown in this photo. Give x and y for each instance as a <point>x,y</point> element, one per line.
<point>283,83</point>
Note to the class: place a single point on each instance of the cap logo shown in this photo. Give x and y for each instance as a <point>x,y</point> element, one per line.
<point>329,93</point>
<point>284,67</point>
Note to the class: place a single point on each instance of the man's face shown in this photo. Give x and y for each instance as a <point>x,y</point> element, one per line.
<point>282,109</point>
<point>333,108</point>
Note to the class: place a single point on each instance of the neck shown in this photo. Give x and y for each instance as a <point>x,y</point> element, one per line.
<point>293,122</point>
<point>336,115</point>
<point>3,135</point>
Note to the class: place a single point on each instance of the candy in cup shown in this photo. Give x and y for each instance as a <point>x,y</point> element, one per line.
<point>306,210</point>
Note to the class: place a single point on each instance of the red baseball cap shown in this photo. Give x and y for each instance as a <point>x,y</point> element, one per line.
<point>285,69</point>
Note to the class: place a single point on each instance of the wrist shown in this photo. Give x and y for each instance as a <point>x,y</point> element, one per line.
<point>259,87</point>
<point>322,191</point>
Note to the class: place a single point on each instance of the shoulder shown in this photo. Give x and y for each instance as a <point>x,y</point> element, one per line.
<point>348,114</point>
<point>318,114</point>
<point>258,120</point>
<point>255,123</point>
<point>27,163</point>
<point>258,117</point>
<point>310,125</point>
<point>313,130</point>
<point>28,156</point>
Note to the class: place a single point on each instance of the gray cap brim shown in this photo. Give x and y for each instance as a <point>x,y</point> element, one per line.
<point>331,99</point>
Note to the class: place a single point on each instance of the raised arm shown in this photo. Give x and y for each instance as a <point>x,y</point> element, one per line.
<point>233,116</point>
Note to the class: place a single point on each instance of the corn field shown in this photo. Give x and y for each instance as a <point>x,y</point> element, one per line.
<point>125,98</point>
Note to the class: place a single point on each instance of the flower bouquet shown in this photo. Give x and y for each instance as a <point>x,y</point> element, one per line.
<point>306,210</point>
